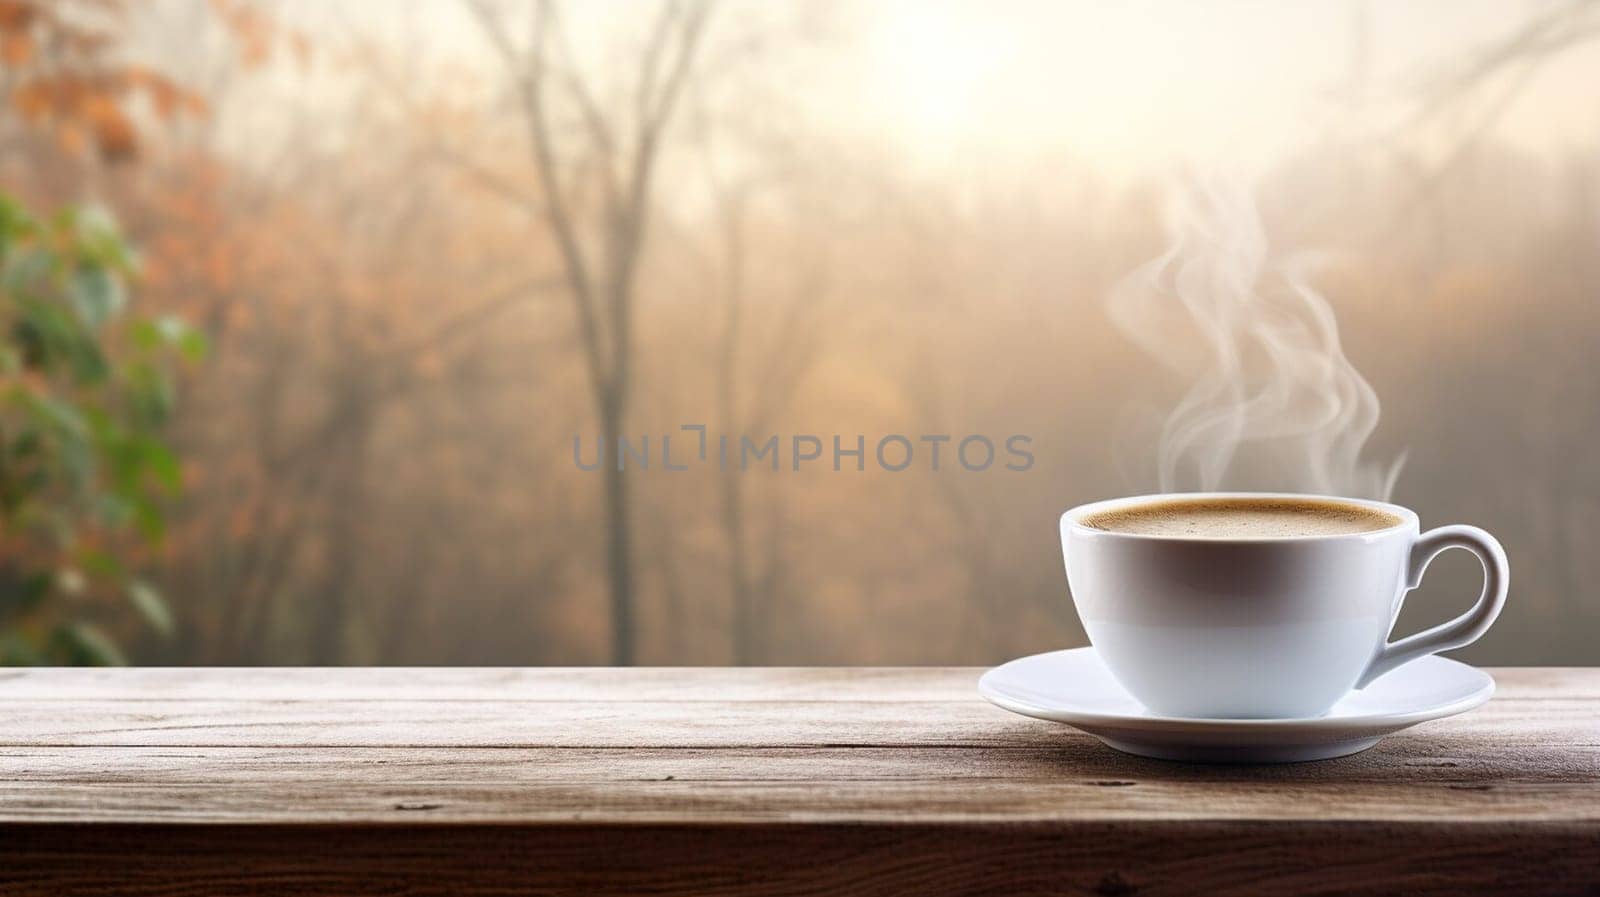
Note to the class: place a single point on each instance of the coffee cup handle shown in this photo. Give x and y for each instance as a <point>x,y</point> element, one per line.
<point>1463,630</point>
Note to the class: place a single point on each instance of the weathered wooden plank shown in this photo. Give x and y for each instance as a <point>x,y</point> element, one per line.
<point>1147,858</point>
<point>747,781</point>
<point>1547,682</point>
<point>1066,775</point>
<point>490,683</point>
<point>1399,760</point>
<point>819,800</point>
<point>308,723</point>
<point>587,683</point>
<point>503,723</point>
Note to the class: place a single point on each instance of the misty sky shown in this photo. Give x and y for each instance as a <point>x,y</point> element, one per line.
<point>1124,85</point>
<point>1154,80</point>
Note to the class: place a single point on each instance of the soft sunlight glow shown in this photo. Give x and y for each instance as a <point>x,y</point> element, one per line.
<point>933,65</point>
<point>1131,85</point>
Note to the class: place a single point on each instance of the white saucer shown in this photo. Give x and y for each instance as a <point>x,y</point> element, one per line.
<point>1074,687</point>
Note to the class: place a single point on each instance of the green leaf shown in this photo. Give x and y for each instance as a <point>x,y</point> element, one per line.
<point>148,520</point>
<point>162,464</point>
<point>58,415</point>
<point>97,237</point>
<point>171,332</point>
<point>85,644</point>
<point>26,269</point>
<point>69,433</point>
<point>27,444</point>
<point>89,363</point>
<point>15,650</point>
<point>15,223</point>
<point>96,294</point>
<point>152,606</point>
<point>193,345</point>
<point>150,393</point>
<point>22,592</point>
<point>115,509</point>
<point>87,389</point>
<point>101,563</point>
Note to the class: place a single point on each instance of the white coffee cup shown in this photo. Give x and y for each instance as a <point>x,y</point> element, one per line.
<point>1262,627</point>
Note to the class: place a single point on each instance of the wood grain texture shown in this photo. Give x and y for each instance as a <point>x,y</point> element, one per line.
<point>1151,859</point>
<point>756,781</point>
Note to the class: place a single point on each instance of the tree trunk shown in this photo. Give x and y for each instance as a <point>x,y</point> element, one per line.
<point>346,494</point>
<point>619,541</point>
<point>747,647</point>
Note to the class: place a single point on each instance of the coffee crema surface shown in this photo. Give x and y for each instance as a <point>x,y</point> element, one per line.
<point>1242,518</point>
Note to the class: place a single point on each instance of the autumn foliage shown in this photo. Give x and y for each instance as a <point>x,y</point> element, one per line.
<point>62,73</point>
<point>85,477</point>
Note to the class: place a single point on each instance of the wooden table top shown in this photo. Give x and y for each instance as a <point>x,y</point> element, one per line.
<point>783,781</point>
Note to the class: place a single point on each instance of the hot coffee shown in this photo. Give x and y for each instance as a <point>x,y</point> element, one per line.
<point>1242,518</point>
<point>1259,605</point>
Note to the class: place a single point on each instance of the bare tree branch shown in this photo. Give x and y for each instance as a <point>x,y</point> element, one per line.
<point>529,77</point>
<point>599,129</point>
<point>1523,53</point>
<point>1556,30</point>
<point>547,77</point>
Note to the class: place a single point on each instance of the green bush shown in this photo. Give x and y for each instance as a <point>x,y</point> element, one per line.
<point>85,389</point>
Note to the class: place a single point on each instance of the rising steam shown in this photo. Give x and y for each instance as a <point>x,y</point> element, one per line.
<point>1274,403</point>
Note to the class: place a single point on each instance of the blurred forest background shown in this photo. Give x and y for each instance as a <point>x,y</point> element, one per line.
<point>420,246</point>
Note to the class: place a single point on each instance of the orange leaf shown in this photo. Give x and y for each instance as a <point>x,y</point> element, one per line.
<point>71,138</point>
<point>33,100</point>
<point>16,14</point>
<point>16,49</point>
<point>114,135</point>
